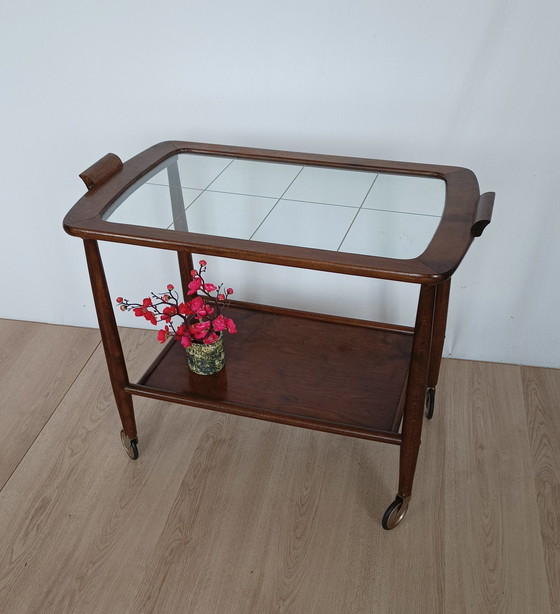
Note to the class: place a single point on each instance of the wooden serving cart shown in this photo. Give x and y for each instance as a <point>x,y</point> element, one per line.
<point>380,379</point>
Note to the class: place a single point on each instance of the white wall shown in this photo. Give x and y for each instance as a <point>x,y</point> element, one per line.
<point>472,84</point>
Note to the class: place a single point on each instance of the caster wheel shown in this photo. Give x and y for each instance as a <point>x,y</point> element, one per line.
<point>430,401</point>
<point>395,513</point>
<point>130,445</point>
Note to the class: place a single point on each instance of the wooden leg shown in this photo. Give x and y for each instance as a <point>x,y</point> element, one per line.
<point>179,222</point>
<point>438,333</point>
<point>111,340</point>
<point>176,196</point>
<point>416,390</point>
<point>185,268</point>
<point>436,350</point>
<point>414,405</point>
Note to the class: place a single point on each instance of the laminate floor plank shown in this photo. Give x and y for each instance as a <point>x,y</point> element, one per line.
<point>69,510</point>
<point>38,363</point>
<point>494,555</point>
<point>542,401</point>
<point>227,514</point>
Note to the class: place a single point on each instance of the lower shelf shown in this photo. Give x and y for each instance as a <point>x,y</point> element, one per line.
<point>284,366</point>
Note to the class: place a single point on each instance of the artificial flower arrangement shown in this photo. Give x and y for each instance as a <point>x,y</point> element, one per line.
<point>197,320</point>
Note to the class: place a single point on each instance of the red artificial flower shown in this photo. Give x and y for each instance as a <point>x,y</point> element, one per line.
<point>221,323</point>
<point>151,318</point>
<point>196,304</point>
<point>206,310</point>
<point>194,285</point>
<point>199,318</point>
<point>185,309</point>
<point>218,323</point>
<point>180,330</point>
<point>199,330</point>
<point>163,334</point>
<point>168,313</point>
<point>142,311</point>
<point>212,338</point>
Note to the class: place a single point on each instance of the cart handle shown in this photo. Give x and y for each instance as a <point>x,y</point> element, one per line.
<point>102,170</point>
<point>482,213</point>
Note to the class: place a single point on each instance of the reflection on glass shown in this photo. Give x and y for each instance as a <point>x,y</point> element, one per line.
<point>340,210</point>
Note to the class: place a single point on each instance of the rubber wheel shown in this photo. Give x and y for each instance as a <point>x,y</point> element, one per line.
<point>130,446</point>
<point>394,513</point>
<point>430,401</point>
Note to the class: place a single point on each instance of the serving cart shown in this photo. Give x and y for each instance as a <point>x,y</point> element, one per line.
<point>402,222</point>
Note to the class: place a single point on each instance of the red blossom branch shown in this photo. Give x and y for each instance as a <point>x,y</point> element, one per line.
<point>200,315</point>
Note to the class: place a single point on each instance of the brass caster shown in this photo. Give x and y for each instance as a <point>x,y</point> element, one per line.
<point>395,512</point>
<point>130,445</point>
<point>430,400</point>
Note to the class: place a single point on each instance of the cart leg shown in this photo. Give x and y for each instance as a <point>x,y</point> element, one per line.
<point>179,222</point>
<point>112,347</point>
<point>413,407</point>
<point>438,337</point>
<point>185,268</point>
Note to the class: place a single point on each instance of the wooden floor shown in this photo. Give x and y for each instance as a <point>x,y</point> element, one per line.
<point>227,515</point>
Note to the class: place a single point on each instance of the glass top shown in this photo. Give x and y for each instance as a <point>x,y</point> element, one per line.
<point>358,212</point>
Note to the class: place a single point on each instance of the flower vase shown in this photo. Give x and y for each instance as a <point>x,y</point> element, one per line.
<point>206,358</point>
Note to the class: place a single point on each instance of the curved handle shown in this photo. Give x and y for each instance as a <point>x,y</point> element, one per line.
<point>483,213</point>
<point>101,171</point>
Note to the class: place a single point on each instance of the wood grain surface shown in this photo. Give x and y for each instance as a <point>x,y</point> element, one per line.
<point>225,514</point>
<point>494,555</point>
<point>542,403</point>
<point>355,388</point>
<point>38,363</point>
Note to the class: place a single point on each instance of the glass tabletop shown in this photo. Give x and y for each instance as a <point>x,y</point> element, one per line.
<point>357,212</point>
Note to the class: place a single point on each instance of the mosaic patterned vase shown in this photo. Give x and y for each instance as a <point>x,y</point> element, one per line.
<point>206,359</point>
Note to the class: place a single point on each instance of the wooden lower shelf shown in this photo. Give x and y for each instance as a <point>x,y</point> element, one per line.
<point>284,366</point>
